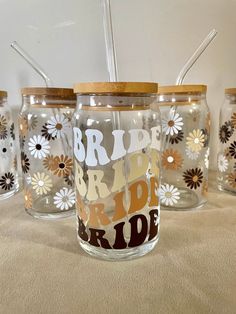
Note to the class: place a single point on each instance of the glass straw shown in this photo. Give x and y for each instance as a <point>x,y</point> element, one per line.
<point>196,55</point>
<point>40,71</point>
<point>32,63</point>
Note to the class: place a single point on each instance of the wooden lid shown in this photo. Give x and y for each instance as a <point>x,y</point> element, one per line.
<point>48,91</point>
<point>182,89</point>
<point>116,88</point>
<point>3,93</point>
<point>230,91</point>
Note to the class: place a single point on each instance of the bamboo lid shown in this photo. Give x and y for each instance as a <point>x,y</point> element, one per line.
<point>3,93</point>
<point>65,93</point>
<point>116,88</point>
<point>230,91</point>
<point>182,89</point>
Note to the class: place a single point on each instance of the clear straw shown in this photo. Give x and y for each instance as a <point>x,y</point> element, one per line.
<point>32,63</point>
<point>40,71</point>
<point>196,55</point>
<point>109,41</point>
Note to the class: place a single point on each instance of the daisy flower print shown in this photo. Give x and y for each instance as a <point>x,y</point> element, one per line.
<point>222,163</point>
<point>195,140</point>
<point>41,183</point>
<point>57,126</point>
<point>38,146</point>
<point>172,124</point>
<point>64,199</point>
<point>169,194</point>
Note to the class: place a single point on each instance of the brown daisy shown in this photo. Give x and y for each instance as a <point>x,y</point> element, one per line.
<point>28,199</point>
<point>23,126</point>
<point>12,131</point>
<point>232,179</point>
<point>25,164</point>
<point>49,163</point>
<point>176,138</point>
<point>7,181</point>
<point>233,119</point>
<point>227,153</point>
<point>224,134</point>
<point>46,134</point>
<point>63,165</point>
<point>172,159</point>
<point>70,179</point>
<point>232,149</point>
<point>193,178</point>
<point>206,137</point>
<point>3,122</point>
<point>3,133</point>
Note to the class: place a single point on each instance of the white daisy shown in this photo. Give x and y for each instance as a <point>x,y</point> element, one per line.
<point>169,195</point>
<point>64,199</point>
<point>41,183</point>
<point>222,163</point>
<point>38,146</point>
<point>192,155</point>
<point>206,159</point>
<point>172,124</point>
<point>57,126</point>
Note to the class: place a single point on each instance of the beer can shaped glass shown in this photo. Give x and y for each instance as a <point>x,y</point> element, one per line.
<point>185,156</point>
<point>46,151</point>
<point>116,139</point>
<point>8,166</point>
<point>226,161</point>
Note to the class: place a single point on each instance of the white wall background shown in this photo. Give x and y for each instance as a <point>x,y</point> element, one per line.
<point>153,39</point>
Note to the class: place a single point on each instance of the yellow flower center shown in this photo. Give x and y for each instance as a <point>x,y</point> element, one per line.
<point>195,178</point>
<point>168,195</point>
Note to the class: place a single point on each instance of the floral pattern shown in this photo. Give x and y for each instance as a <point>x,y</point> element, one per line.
<point>70,179</point>
<point>25,163</point>
<point>32,123</point>
<point>12,131</point>
<point>176,138</point>
<point>7,181</point>
<point>3,122</point>
<point>172,124</point>
<point>222,163</point>
<point>232,179</point>
<point>49,163</point>
<point>195,140</point>
<point>41,183</point>
<point>63,165</point>
<point>227,153</point>
<point>224,133</point>
<point>46,134</point>
<point>171,159</point>
<point>38,146</point>
<point>169,194</point>
<point>232,149</point>
<point>64,199</point>
<point>58,126</point>
<point>3,133</point>
<point>193,178</point>
<point>233,119</point>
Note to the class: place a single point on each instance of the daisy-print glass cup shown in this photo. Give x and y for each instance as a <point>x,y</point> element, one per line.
<point>46,151</point>
<point>185,152</point>
<point>8,165</point>
<point>226,159</point>
<point>116,156</point>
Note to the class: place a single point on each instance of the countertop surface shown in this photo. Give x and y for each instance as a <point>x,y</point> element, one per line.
<point>191,270</point>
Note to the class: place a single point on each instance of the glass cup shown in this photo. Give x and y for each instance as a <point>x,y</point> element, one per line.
<point>226,159</point>
<point>185,156</point>
<point>116,159</point>
<point>46,151</point>
<point>8,166</point>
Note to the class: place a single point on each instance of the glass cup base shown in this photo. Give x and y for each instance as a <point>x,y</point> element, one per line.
<point>10,193</point>
<point>118,255</point>
<point>50,216</point>
<point>188,201</point>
